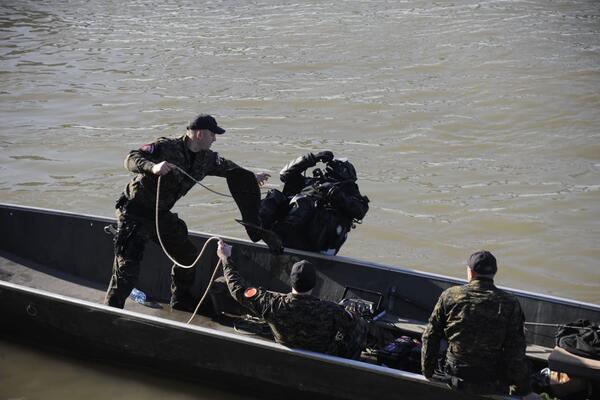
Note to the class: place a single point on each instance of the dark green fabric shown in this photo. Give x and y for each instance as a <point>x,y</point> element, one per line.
<point>301,320</point>
<point>141,191</point>
<point>136,210</point>
<point>484,329</point>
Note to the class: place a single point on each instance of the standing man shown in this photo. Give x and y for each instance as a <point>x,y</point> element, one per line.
<point>298,319</point>
<point>483,326</point>
<point>136,208</point>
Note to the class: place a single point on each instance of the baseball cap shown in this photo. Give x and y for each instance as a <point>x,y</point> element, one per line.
<point>303,276</point>
<point>483,262</point>
<point>205,121</point>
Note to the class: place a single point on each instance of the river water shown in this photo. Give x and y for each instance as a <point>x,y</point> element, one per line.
<point>471,125</point>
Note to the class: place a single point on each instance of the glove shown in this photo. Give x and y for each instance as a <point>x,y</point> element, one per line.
<point>324,156</point>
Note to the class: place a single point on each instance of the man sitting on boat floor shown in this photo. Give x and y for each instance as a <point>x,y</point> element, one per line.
<point>298,319</point>
<point>180,163</point>
<point>484,328</point>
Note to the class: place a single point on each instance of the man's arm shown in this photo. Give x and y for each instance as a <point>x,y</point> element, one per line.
<point>294,169</point>
<point>432,337</point>
<point>515,361</point>
<point>142,160</point>
<point>257,300</point>
<point>219,166</point>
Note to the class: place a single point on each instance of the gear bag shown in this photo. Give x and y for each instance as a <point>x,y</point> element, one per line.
<point>328,229</point>
<point>581,338</point>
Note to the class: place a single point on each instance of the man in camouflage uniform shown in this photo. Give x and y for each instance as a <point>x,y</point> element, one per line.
<point>298,319</point>
<point>136,206</point>
<point>483,326</point>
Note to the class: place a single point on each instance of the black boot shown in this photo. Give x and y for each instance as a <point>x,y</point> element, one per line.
<point>183,303</point>
<point>181,299</point>
<point>115,296</point>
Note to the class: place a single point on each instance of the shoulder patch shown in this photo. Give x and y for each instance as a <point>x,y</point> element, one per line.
<point>147,148</point>
<point>250,292</point>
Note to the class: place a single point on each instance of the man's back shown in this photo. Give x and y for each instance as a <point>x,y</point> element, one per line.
<point>302,320</point>
<point>478,317</point>
<point>484,329</point>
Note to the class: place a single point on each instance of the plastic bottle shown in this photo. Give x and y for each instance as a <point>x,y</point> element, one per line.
<point>138,296</point>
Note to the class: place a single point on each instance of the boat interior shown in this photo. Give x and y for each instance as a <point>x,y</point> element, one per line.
<point>71,255</point>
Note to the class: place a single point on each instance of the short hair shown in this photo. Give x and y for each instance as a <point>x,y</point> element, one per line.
<point>483,262</point>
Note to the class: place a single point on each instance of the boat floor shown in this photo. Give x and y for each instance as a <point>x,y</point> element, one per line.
<point>43,278</point>
<point>39,277</point>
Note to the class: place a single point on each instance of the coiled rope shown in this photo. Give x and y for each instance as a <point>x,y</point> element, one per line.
<point>175,262</point>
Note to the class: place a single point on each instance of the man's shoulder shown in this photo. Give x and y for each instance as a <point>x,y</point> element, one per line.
<point>505,296</point>
<point>164,140</point>
<point>454,291</point>
<point>315,303</point>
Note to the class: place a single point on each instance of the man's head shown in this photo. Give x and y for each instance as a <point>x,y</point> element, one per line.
<point>483,264</point>
<point>303,276</point>
<point>201,132</point>
<point>205,121</point>
<point>341,170</point>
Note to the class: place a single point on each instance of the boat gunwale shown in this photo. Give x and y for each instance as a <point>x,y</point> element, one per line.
<point>142,318</point>
<point>343,259</point>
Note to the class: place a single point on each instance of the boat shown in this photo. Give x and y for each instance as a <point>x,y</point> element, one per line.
<point>55,267</point>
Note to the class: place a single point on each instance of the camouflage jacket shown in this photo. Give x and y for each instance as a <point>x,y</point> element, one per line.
<point>301,320</point>
<point>141,191</point>
<point>484,329</point>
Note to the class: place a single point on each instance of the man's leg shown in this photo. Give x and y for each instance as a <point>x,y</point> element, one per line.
<point>129,249</point>
<point>174,234</point>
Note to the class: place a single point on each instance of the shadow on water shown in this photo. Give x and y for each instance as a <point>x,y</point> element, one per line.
<point>43,372</point>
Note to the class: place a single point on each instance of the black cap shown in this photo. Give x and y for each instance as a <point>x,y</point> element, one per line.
<point>483,262</point>
<point>303,276</point>
<point>205,121</point>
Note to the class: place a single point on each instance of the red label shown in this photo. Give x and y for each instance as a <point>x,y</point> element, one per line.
<point>250,292</point>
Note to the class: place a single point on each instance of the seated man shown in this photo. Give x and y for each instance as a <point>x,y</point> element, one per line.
<point>315,213</point>
<point>298,319</point>
<point>483,326</point>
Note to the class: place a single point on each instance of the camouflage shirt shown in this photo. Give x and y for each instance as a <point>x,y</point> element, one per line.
<point>142,189</point>
<point>301,320</point>
<point>484,329</point>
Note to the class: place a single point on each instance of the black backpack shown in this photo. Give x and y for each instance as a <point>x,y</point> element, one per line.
<point>581,338</point>
<point>328,229</point>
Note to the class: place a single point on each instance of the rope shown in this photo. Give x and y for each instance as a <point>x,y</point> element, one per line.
<point>204,186</point>
<point>197,182</point>
<point>182,265</point>
<point>559,325</point>
<point>210,282</point>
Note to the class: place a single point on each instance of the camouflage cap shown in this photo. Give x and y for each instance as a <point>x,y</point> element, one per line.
<point>303,276</point>
<point>483,262</point>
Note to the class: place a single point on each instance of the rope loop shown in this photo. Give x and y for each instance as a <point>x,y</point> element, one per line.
<point>176,263</point>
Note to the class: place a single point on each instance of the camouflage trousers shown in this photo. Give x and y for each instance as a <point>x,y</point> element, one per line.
<point>350,342</point>
<point>473,380</point>
<point>133,232</point>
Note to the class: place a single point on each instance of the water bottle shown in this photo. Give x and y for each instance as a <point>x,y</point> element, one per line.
<point>138,296</point>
